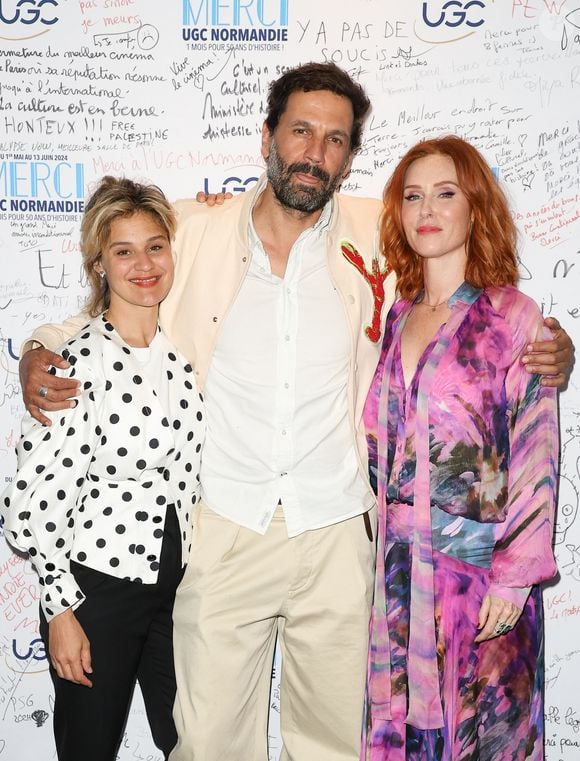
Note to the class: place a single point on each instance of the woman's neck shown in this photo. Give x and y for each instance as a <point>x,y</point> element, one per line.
<point>136,325</point>
<point>440,280</point>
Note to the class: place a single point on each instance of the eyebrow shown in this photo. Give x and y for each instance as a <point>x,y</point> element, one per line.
<point>131,243</point>
<point>437,184</point>
<point>305,123</point>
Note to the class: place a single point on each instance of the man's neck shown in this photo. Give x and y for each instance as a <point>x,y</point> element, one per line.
<point>279,227</point>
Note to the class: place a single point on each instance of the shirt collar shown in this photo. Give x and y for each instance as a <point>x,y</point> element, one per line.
<point>466,293</point>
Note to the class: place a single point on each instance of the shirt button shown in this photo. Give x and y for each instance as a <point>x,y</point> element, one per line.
<point>286,385</point>
<point>284,432</point>
<point>286,337</point>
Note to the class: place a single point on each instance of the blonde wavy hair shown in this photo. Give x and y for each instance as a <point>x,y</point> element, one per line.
<point>116,197</point>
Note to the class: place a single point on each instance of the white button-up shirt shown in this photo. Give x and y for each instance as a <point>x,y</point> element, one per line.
<point>276,397</point>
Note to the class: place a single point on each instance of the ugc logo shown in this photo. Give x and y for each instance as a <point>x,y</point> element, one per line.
<point>24,19</point>
<point>451,14</point>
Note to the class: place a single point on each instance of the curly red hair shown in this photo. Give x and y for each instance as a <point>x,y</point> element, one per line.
<point>491,246</point>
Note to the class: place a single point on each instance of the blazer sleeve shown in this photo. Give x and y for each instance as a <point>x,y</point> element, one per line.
<point>53,335</point>
<point>41,507</point>
<point>523,553</point>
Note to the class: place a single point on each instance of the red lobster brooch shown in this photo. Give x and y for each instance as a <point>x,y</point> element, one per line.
<point>376,279</point>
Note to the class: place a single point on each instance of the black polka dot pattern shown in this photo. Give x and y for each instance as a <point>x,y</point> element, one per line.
<point>94,488</point>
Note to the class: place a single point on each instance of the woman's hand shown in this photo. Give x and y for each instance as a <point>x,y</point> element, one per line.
<point>496,617</point>
<point>69,648</point>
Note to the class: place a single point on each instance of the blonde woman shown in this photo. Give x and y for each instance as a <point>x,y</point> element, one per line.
<point>102,498</point>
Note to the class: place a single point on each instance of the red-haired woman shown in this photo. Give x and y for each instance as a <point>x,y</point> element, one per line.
<point>463,445</point>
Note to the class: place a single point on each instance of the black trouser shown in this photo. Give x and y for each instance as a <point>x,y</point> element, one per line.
<point>129,627</point>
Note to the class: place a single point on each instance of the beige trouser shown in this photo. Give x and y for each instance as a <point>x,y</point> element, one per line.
<point>240,589</point>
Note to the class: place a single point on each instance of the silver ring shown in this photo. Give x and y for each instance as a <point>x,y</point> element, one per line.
<point>43,392</point>
<point>501,628</point>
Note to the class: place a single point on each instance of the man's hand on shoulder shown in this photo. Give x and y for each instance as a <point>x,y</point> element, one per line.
<point>212,199</point>
<point>41,390</point>
<point>554,359</point>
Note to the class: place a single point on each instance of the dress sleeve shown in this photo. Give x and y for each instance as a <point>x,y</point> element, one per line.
<point>40,508</point>
<point>523,553</point>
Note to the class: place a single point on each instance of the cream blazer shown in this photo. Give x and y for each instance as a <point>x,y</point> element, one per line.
<point>213,256</point>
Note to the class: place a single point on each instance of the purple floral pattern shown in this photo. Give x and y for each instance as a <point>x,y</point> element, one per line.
<point>469,450</point>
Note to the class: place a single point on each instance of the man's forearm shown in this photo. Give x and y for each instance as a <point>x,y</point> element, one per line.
<point>53,335</point>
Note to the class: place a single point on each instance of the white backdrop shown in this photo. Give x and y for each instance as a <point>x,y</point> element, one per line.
<point>174,93</point>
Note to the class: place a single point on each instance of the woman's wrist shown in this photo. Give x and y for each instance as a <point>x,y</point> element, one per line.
<point>515,595</point>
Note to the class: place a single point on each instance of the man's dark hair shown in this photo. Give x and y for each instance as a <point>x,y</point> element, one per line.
<point>318,76</point>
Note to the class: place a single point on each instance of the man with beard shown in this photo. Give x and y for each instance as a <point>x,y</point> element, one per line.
<point>280,545</point>
<point>278,302</point>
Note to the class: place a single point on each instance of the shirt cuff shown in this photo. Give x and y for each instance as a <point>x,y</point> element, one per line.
<point>60,594</point>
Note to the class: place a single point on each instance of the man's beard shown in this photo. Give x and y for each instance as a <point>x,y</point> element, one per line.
<point>305,198</point>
